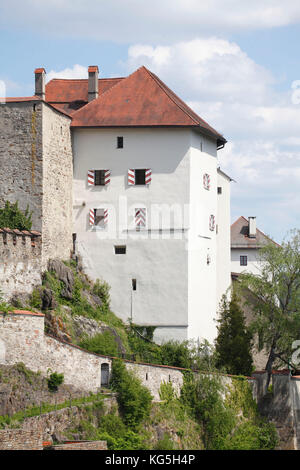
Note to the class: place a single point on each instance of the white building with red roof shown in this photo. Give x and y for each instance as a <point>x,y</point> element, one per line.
<point>151,208</point>
<point>246,240</point>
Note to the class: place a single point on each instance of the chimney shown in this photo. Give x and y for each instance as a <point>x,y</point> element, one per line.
<point>252,227</point>
<point>93,82</point>
<point>40,79</point>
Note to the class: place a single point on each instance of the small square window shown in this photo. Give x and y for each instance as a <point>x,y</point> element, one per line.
<point>120,142</point>
<point>140,177</point>
<point>243,261</point>
<point>120,250</point>
<point>99,177</point>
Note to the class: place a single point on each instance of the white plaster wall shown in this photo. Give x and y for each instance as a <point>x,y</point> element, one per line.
<point>176,288</point>
<point>254,265</point>
<point>159,263</point>
<point>223,238</point>
<point>202,241</point>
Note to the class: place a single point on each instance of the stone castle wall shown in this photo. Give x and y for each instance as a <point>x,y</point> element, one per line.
<point>57,223</point>
<point>37,171</point>
<point>21,169</point>
<point>20,261</point>
<point>22,339</point>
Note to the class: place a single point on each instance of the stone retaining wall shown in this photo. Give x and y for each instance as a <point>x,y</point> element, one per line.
<point>22,339</point>
<point>19,439</point>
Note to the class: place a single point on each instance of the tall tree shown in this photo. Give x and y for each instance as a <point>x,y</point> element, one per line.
<point>233,343</point>
<point>276,290</point>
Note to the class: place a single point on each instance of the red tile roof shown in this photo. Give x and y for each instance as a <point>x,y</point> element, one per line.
<point>141,99</point>
<point>240,235</point>
<point>20,99</point>
<point>26,312</point>
<point>66,91</point>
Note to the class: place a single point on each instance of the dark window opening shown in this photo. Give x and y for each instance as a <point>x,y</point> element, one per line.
<point>133,284</point>
<point>140,176</point>
<point>120,250</point>
<point>99,217</point>
<point>99,177</point>
<point>243,261</point>
<point>219,190</point>
<point>146,376</point>
<point>120,142</point>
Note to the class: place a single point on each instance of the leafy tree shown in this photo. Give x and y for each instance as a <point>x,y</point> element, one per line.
<point>276,293</point>
<point>12,217</point>
<point>233,343</point>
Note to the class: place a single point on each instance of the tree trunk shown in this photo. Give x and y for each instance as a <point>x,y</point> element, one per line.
<point>269,365</point>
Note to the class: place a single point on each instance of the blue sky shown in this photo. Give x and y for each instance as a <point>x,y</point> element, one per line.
<point>234,62</point>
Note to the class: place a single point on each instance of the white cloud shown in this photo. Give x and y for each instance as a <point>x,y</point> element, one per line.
<point>237,97</point>
<point>156,21</point>
<point>206,70</point>
<point>77,71</point>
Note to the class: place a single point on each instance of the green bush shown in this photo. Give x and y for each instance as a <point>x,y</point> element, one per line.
<point>54,381</point>
<point>250,436</point>
<point>203,396</point>
<point>167,392</point>
<point>176,354</point>
<point>12,217</point>
<point>101,289</point>
<point>133,398</point>
<point>102,343</point>
<point>165,443</point>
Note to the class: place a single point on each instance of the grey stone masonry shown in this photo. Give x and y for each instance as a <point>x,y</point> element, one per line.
<point>20,261</point>
<point>18,439</point>
<point>22,339</point>
<point>37,170</point>
<point>21,157</point>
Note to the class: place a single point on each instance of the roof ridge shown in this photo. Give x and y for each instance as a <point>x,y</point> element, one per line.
<point>181,105</point>
<point>159,83</point>
<point>240,217</point>
<point>103,94</point>
<point>83,79</point>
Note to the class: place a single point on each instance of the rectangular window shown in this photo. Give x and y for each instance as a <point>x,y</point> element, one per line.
<point>140,218</point>
<point>219,190</point>
<point>100,177</point>
<point>99,217</point>
<point>120,142</point>
<point>140,176</point>
<point>120,250</point>
<point>133,284</point>
<point>243,261</point>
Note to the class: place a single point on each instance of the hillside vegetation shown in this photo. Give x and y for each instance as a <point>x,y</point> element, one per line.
<point>78,310</point>
<point>208,414</point>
